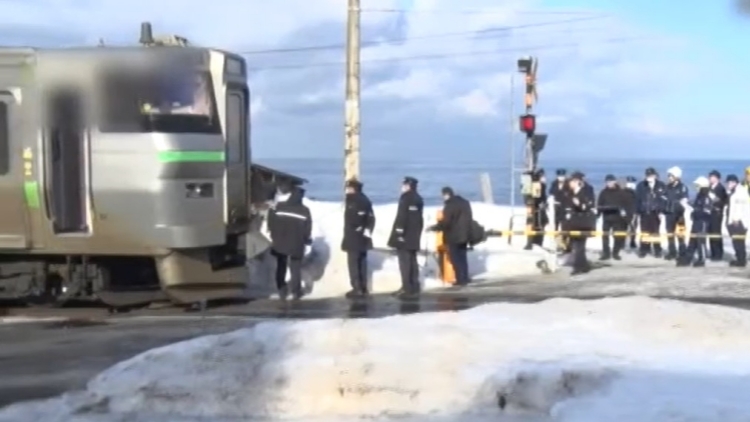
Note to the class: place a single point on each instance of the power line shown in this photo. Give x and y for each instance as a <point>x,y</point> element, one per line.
<point>452,55</point>
<point>373,43</point>
<point>478,12</point>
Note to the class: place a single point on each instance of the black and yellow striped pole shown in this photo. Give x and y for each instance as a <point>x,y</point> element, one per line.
<point>531,187</point>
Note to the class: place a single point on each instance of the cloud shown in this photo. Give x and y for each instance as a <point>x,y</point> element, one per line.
<point>421,93</point>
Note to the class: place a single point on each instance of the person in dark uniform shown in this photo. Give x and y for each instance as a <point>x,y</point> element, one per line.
<point>406,236</point>
<point>650,198</point>
<point>703,206</point>
<point>630,185</point>
<point>719,199</point>
<point>674,212</point>
<point>359,221</point>
<point>456,227</point>
<point>587,187</point>
<point>611,206</point>
<point>290,226</point>
<point>557,193</point>
<point>540,219</point>
<point>738,219</point>
<point>580,215</point>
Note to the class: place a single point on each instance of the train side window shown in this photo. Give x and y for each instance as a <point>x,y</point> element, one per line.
<point>4,139</point>
<point>235,126</point>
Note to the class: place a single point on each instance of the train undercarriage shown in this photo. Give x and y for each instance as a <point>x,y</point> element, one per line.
<point>116,282</point>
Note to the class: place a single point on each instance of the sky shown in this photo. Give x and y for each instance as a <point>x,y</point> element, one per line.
<point>616,78</point>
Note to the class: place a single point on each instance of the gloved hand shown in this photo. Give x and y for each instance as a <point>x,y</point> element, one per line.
<point>623,213</point>
<point>308,249</point>
<point>401,239</point>
<point>367,233</point>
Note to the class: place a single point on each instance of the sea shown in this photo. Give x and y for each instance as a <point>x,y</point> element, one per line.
<point>382,178</point>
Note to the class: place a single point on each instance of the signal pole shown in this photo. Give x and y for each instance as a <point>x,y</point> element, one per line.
<point>352,111</point>
<point>531,186</point>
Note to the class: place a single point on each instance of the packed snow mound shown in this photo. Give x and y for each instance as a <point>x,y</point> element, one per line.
<point>628,359</point>
<point>325,268</point>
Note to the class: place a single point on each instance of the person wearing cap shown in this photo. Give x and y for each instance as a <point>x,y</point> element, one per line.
<point>674,212</point>
<point>456,226</point>
<point>540,218</point>
<point>719,198</point>
<point>738,219</point>
<point>630,208</point>
<point>557,192</point>
<point>359,222</point>
<point>580,215</point>
<point>650,201</point>
<point>611,205</point>
<point>290,226</point>
<point>702,205</point>
<point>406,236</point>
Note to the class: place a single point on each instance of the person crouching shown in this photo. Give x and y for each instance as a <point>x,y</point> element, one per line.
<point>580,215</point>
<point>290,226</point>
<point>703,206</point>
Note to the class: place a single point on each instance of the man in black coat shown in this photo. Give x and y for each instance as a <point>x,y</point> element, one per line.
<point>674,213</point>
<point>651,197</point>
<point>290,225</point>
<point>719,198</point>
<point>406,236</point>
<point>359,221</point>
<point>629,190</point>
<point>558,191</point>
<point>580,215</point>
<point>611,206</point>
<point>456,227</point>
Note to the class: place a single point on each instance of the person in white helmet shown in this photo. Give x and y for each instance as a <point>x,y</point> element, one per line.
<point>703,206</point>
<point>674,212</point>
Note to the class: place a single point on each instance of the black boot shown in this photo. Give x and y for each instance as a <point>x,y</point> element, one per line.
<point>658,253</point>
<point>738,264</point>
<point>605,256</point>
<point>699,263</point>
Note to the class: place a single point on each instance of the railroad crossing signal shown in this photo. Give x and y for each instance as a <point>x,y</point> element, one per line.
<point>529,66</point>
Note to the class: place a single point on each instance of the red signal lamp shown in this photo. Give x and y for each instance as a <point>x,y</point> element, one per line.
<point>527,124</point>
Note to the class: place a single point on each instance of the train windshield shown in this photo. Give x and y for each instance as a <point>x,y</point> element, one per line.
<point>159,101</point>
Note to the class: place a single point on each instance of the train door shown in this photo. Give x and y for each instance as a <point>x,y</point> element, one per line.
<point>66,163</point>
<point>13,216</point>
<point>236,153</point>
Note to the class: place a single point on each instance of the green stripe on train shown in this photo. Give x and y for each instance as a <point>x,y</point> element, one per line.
<point>191,156</point>
<point>31,192</point>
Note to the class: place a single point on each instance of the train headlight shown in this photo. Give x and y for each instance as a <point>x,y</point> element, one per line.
<point>199,190</point>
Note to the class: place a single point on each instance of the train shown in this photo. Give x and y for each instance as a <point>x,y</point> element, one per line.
<point>124,173</point>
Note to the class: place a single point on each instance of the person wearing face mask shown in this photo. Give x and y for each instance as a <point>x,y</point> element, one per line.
<point>719,198</point>
<point>738,219</point>
<point>630,201</point>
<point>703,206</point>
<point>406,236</point>
<point>359,222</point>
<point>557,193</point>
<point>611,207</point>
<point>650,201</point>
<point>677,198</point>
<point>580,215</point>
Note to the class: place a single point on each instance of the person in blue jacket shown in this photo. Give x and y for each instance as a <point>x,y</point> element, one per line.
<point>703,206</point>
<point>650,204</point>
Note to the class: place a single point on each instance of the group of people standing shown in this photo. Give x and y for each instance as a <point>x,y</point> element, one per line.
<point>624,207</point>
<point>290,229</point>
<point>457,226</point>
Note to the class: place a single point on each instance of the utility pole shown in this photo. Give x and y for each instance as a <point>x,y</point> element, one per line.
<point>352,124</point>
<point>511,138</point>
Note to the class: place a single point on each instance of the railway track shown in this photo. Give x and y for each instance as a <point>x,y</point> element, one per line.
<point>374,307</point>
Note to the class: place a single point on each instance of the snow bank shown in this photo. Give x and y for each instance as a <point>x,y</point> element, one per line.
<point>325,270</point>
<point>633,359</point>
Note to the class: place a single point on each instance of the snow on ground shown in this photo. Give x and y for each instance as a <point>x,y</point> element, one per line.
<point>325,271</point>
<point>629,359</point>
<point>24,320</point>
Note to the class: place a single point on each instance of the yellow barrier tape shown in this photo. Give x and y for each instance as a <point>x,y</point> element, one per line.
<point>643,236</point>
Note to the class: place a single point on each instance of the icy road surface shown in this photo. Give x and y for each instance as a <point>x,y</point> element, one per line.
<point>627,359</point>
